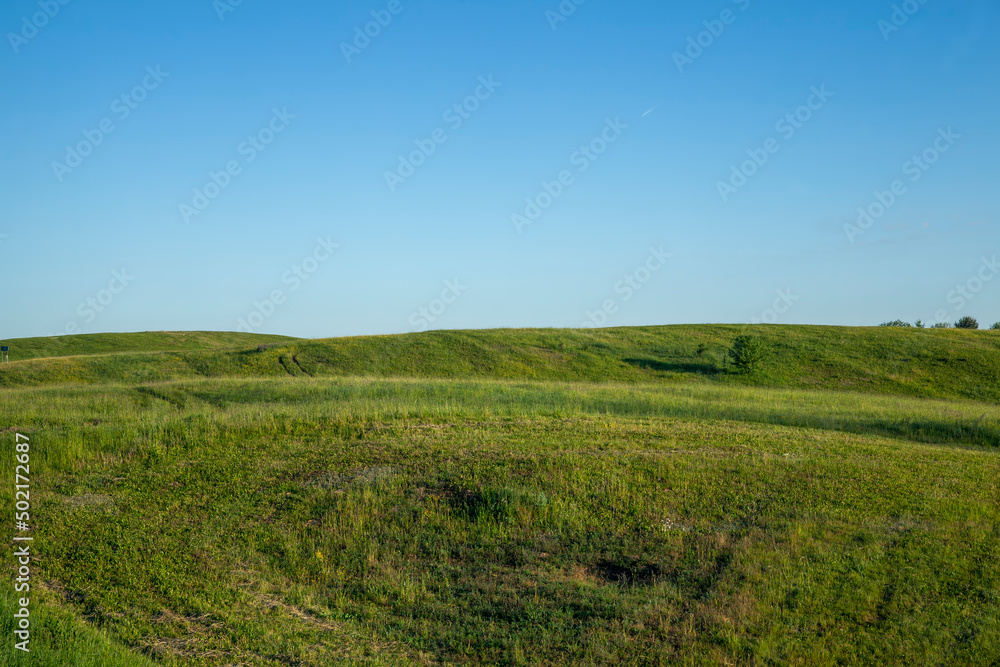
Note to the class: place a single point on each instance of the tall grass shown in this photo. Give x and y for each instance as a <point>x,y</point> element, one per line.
<point>556,498</point>
<point>147,418</point>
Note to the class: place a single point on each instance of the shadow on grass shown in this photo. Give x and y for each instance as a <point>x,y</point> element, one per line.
<point>697,577</point>
<point>935,432</point>
<point>491,504</point>
<point>701,368</point>
<point>967,433</point>
<point>174,397</point>
<point>630,574</point>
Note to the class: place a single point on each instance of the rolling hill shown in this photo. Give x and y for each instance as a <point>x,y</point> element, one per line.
<point>510,497</point>
<point>913,362</point>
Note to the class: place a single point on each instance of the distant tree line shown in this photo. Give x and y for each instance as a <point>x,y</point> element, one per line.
<point>966,322</point>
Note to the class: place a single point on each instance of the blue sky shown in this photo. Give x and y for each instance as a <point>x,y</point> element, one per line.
<point>308,237</point>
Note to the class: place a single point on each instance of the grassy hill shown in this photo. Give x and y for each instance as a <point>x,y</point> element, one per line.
<point>510,498</point>
<point>915,362</point>
<point>117,343</point>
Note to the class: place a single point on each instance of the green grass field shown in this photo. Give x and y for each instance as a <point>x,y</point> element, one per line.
<point>522,497</point>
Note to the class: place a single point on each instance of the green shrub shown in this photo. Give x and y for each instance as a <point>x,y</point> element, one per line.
<point>967,322</point>
<point>941,325</point>
<point>895,323</point>
<point>748,353</point>
<point>995,327</point>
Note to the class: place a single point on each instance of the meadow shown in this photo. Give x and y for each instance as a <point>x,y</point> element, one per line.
<point>533,497</point>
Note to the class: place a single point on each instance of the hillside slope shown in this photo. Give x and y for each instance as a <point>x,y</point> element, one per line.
<point>115,343</point>
<point>916,362</point>
<point>401,522</point>
<point>247,513</point>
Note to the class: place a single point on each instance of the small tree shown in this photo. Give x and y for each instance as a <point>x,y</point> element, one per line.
<point>748,353</point>
<point>941,325</point>
<point>967,322</point>
<point>919,324</point>
<point>895,323</point>
<point>995,327</point>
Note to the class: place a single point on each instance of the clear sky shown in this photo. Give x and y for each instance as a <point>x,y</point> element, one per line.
<point>209,166</point>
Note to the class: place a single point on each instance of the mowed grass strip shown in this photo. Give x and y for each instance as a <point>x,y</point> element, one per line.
<point>354,521</point>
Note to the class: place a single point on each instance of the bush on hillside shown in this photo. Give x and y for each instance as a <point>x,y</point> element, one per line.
<point>967,322</point>
<point>895,323</point>
<point>941,325</point>
<point>995,327</point>
<point>748,353</point>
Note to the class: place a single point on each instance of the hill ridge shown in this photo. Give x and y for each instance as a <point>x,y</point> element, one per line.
<point>916,362</point>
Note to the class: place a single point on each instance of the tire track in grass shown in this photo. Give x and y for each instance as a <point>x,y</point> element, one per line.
<point>296,361</point>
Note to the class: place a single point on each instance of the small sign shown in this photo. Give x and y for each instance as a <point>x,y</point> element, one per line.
<point>4,348</point>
